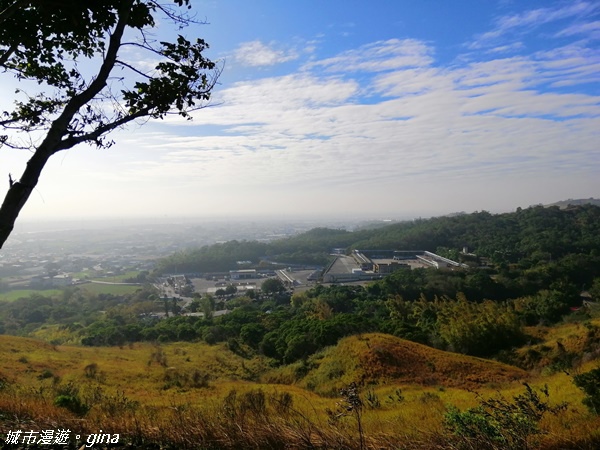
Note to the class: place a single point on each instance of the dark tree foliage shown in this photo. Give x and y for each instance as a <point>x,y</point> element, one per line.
<point>530,248</point>
<point>213,258</point>
<point>272,286</point>
<point>45,43</point>
<point>589,382</point>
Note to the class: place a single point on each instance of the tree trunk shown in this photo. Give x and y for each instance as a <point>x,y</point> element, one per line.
<point>19,192</point>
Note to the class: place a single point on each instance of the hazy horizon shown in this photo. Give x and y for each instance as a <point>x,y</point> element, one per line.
<point>388,110</point>
<point>127,221</point>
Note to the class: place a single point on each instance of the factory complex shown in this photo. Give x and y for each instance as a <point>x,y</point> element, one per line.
<point>363,265</point>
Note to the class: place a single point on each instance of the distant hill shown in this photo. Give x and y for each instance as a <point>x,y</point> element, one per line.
<point>377,358</point>
<point>551,230</point>
<point>575,202</point>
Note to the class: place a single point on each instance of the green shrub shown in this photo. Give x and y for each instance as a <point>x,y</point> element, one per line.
<point>45,374</point>
<point>498,423</point>
<point>67,396</point>
<point>372,399</point>
<point>589,383</point>
<point>397,397</point>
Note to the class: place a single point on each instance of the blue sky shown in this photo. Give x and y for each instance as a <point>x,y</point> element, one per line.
<point>352,108</point>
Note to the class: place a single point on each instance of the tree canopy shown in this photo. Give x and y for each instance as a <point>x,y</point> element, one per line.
<point>75,85</point>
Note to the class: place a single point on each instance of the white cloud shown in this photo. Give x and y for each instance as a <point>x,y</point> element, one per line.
<point>512,47</point>
<point>569,66</point>
<point>541,16</point>
<point>472,130</point>
<point>375,128</point>
<point>379,56</point>
<point>589,29</point>
<point>257,54</point>
<point>533,19</point>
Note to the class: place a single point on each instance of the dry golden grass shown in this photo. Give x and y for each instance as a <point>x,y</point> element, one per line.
<point>382,359</point>
<point>577,343</point>
<point>160,394</point>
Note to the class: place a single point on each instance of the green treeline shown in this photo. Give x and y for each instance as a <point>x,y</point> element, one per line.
<point>214,258</point>
<point>527,236</point>
<point>539,262</point>
<point>288,329</point>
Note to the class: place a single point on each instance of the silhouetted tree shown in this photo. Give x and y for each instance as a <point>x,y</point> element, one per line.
<point>48,42</point>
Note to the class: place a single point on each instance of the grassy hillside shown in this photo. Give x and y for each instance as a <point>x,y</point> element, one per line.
<point>221,400</point>
<point>379,359</point>
<point>142,371</point>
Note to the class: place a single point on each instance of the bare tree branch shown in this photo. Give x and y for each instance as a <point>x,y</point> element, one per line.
<point>130,67</point>
<point>7,54</point>
<point>98,132</point>
<point>10,10</point>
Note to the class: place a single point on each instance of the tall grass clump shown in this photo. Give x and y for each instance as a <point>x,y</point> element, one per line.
<point>499,423</point>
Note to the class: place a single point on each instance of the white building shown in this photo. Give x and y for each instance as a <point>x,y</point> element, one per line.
<point>244,274</point>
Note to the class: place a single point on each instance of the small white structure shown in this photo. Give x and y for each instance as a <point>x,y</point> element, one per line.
<point>244,274</point>
<point>63,279</point>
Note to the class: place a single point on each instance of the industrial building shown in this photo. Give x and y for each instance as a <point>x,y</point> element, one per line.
<point>364,265</point>
<point>243,274</point>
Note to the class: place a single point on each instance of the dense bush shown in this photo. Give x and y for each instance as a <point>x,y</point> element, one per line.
<point>589,383</point>
<point>499,423</point>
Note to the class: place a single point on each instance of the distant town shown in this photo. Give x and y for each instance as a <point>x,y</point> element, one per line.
<point>63,254</point>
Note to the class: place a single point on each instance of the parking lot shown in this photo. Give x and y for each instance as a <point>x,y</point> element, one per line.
<point>204,286</point>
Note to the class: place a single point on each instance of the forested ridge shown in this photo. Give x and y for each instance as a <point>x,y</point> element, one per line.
<point>533,234</point>
<point>540,260</point>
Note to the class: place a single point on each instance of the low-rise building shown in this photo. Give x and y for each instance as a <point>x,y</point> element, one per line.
<point>243,274</point>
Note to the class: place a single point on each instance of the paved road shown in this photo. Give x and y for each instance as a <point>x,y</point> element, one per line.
<point>115,283</point>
